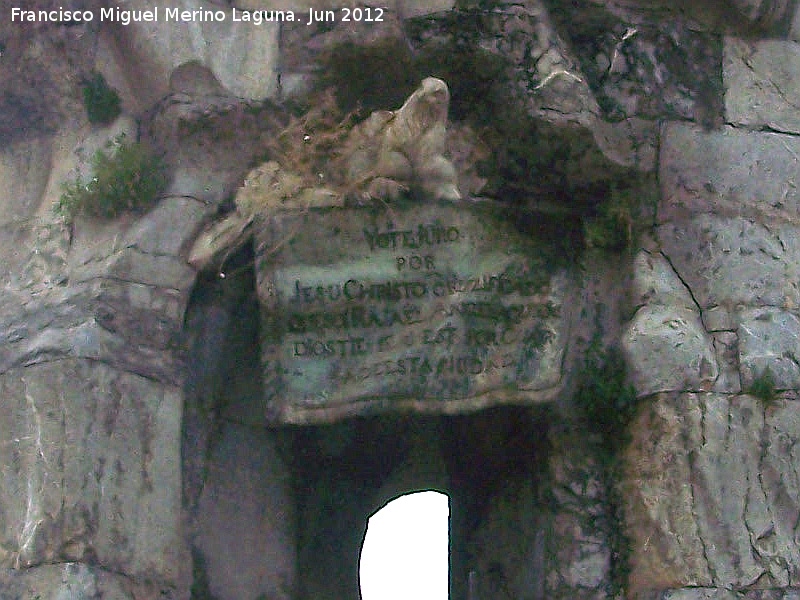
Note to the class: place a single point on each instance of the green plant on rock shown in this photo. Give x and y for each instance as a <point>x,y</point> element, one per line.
<point>609,404</point>
<point>100,100</point>
<point>604,396</point>
<point>763,386</point>
<point>126,177</point>
<point>611,228</point>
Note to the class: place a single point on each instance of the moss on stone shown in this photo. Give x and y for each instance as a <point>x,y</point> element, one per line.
<point>101,101</point>
<point>763,386</point>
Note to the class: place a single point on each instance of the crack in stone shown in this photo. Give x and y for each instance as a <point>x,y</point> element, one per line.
<point>783,95</point>
<point>751,535</point>
<point>27,534</point>
<point>685,285</point>
<point>692,478</point>
<point>763,446</point>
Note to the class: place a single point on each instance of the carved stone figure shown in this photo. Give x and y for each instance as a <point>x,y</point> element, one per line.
<point>394,152</point>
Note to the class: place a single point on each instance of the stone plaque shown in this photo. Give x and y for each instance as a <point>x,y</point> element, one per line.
<point>428,307</point>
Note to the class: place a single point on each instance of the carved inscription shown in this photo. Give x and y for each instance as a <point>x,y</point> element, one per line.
<point>430,311</point>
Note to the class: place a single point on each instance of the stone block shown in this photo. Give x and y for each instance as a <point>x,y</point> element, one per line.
<point>728,172</point>
<point>762,84</point>
<point>718,318</point>
<point>168,227</point>
<point>128,325</point>
<point>23,178</point>
<point>667,349</point>
<point>719,594</point>
<point>129,264</point>
<point>726,346</point>
<point>201,183</point>
<point>711,494</point>
<point>91,470</point>
<point>795,31</point>
<point>690,594</point>
<point>769,338</point>
<point>630,143</point>
<point>656,283</point>
<point>34,255</point>
<point>72,581</point>
<point>730,260</point>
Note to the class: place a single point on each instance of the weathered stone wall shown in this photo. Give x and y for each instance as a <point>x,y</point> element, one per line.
<point>711,501</point>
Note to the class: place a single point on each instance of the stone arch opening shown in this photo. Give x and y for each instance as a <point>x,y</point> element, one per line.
<point>282,511</point>
<point>492,465</point>
<point>405,552</point>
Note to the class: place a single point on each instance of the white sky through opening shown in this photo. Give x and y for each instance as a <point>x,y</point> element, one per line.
<point>405,551</point>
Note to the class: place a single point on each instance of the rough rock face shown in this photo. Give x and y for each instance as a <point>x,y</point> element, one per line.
<point>132,466</point>
<point>715,472</point>
<point>242,58</point>
<point>708,483</point>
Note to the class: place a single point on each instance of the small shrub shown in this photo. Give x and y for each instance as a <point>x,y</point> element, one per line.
<point>763,386</point>
<point>100,100</point>
<point>603,395</point>
<point>609,403</point>
<point>307,144</point>
<point>128,177</point>
<point>612,227</point>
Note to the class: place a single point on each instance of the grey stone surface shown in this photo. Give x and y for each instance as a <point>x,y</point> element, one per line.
<point>762,81</point>
<point>90,340</point>
<point>795,30</point>
<point>720,594</point>
<point>68,581</point>
<point>91,470</point>
<point>168,227</point>
<point>198,182</point>
<point>667,349</point>
<point>631,143</point>
<point>242,56</point>
<point>129,264</point>
<point>667,342</point>
<point>726,346</point>
<point>545,63</point>
<point>690,594</point>
<point>718,318</point>
<point>22,178</point>
<point>34,255</point>
<point>730,260</point>
<point>711,493</point>
<point>656,283</point>
<point>245,524</point>
<point>769,338</point>
<point>728,172</point>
